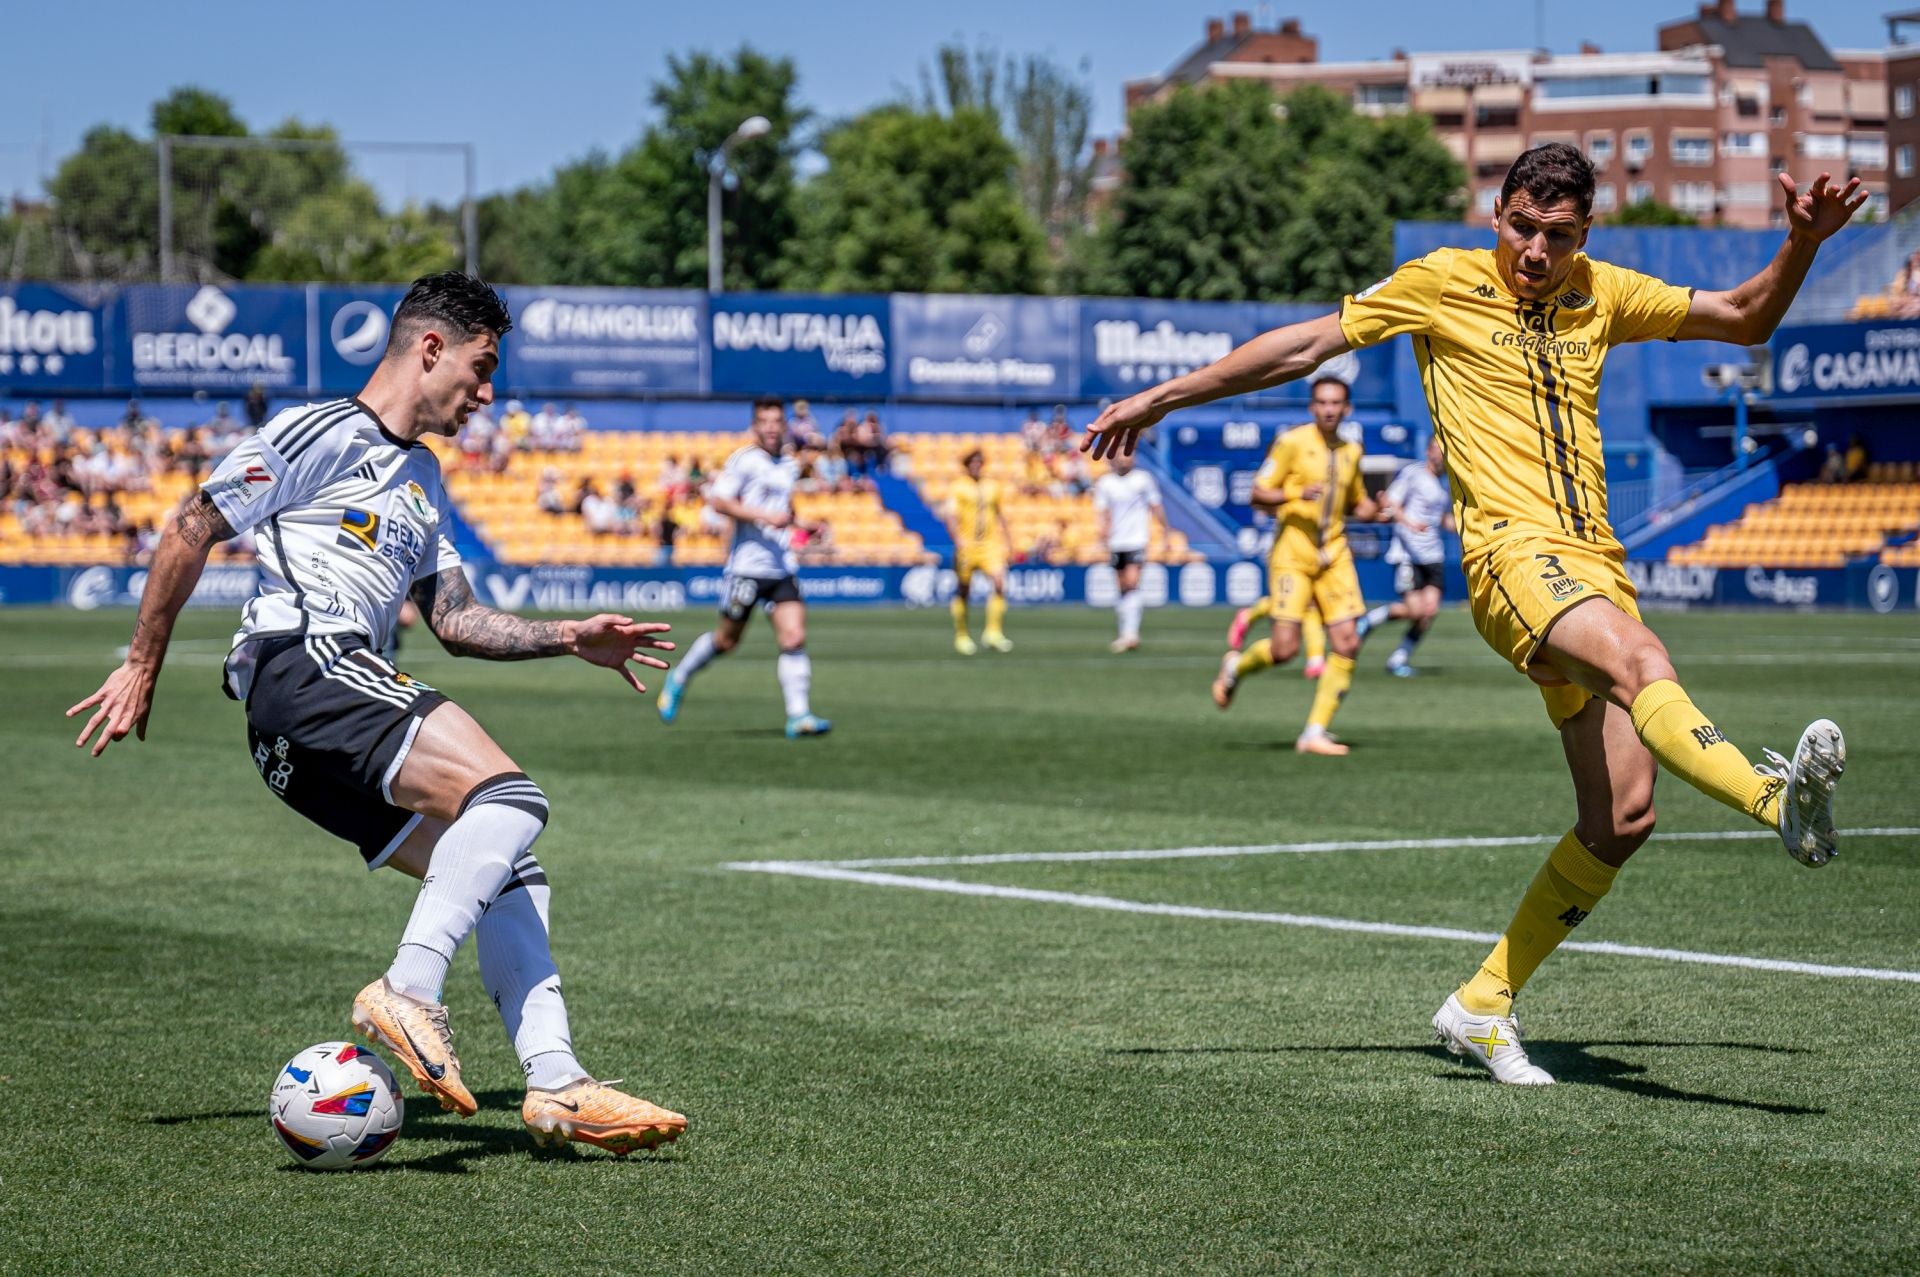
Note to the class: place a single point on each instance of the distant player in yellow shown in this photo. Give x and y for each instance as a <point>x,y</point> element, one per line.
<point>981,543</point>
<point>1510,343</point>
<point>1311,482</point>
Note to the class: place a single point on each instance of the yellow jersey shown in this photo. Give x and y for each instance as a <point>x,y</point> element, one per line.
<point>1513,386</point>
<point>976,510</point>
<point>1312,530</point>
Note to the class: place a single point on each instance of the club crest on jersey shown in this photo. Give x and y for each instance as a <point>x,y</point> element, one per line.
<point>360,529</point>
<point>416,499</point>
<point>1573,299</point>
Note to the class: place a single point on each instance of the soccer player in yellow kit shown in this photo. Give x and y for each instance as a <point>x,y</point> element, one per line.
<point>1510,343</point>
<point>981,543</point>
<point>1310,480</point>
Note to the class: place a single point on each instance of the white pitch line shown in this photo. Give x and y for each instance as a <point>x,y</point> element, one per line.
<point>951,886</point>
<point>1300,848</point>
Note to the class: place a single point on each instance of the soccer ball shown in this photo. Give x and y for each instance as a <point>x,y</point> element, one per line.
<point>335,1107</point>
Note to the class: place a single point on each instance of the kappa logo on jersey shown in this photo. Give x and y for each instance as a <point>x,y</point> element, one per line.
<point>359,528</point>
<point>250,483</point>
<point>1573,299</point>
<point>1485,290</point>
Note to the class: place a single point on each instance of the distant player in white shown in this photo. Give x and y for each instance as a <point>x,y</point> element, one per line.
<point>1421,506</point>
<point>755,490</point>
<point>350,517</point>
<point>1127,502</point>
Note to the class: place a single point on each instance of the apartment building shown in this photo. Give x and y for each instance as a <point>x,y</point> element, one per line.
<point>1702,122</point>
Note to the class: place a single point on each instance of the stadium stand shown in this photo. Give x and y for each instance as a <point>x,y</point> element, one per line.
<point>1812,525</point>
<point>1047,497</point>
<point>666,471</point>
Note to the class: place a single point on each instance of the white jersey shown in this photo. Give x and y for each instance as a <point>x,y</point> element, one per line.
<point>754,477</point>
<point>1129,500</point>
<point>1422,496</point>
<point>346,518</point>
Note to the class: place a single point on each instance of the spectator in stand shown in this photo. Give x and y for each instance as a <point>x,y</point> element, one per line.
<point>475,439</point>
<point>143,542</point>
<point>258,409</point>
<point>571,431</point>
<point>1036,472</point>
<point>59,423</point>
<point>133,418</point>
<point>580,494</point>
<point>34,424</point>
<point>543,431</point>
<point>548,496</point>
<point>1033,431</point>
<point>1060,437</point>
<point>805,429</point>
<point>1859,461</point>
<point>873,437</point>
<point>846,439</point>
<point>672,480</point>
<point>601,513</point>
<point>628,505</point>
<point>500,455</point>
<point>10,434</point>
<point>1072,478</point>
<point>1834,468</point>
<point>515,424</point>
<point>224,432</point>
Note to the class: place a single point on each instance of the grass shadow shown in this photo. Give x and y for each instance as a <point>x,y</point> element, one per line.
<point>1569,1062</point>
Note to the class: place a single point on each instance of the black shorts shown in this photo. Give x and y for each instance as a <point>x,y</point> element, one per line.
<point>329,724</point>
<point>1128,559</point>
<point>1408,577</point>
<point>739,595</point>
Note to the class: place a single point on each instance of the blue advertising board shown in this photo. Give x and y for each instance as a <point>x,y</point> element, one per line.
<point>1847,362</point>
<point>51,339</point>
<point>963,347</point>
<point>605,341</point>
<point>179,337</point>
<point>786,344</point>
<point>351,329</point>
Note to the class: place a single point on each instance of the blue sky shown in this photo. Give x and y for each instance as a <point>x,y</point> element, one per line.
<point>533,85</point>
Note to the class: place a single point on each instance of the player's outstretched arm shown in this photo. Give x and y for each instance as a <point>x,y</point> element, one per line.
<point>1276,356</point>
<point>126,698</point>
<point>467,627</point>
<point>1748,313</point>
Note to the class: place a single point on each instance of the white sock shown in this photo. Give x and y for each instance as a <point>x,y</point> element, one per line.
<point>699,652</point>
<point>795,670</point>
<point>471,862</point>
<point>516,965</point>
<point>1379,615</point>
<point>1129,610</point>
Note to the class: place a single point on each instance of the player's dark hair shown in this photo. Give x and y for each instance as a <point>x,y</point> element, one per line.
<point>971,457</point>
<point>461,306</point>
<point>1328,378</point>
<point>1549,174</point>
<point>769,401</point>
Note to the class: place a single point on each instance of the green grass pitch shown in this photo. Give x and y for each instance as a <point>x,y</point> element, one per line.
<point>890,1080</point>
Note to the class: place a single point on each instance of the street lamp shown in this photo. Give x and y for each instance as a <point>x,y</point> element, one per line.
<point>751,127</point>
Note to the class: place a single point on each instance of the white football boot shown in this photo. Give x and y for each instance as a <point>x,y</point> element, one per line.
<point>1806,801</point>
<point>1492,1040</point>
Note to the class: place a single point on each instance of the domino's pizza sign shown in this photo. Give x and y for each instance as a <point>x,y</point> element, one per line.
<point>50,340</point>
<point>210,338</point>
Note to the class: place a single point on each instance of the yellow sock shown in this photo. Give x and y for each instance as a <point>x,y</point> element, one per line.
<point>959,609</point>
<point>1313,638</point>
<point>1254,658</point>
<point>996,616</point>
<point>1563,893</point>
<point>1334,683</point>
<point>1692,748</point>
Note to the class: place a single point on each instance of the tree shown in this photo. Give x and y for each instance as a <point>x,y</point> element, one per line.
<point>917,202</point>
<point>1651,212</point>
<point>1227,194</point>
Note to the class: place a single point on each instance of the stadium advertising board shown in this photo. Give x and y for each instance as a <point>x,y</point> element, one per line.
<point>51,339</point>
<point>353,324</point>
<point>790,344</point>
<point>1126,345</point>
<point>961,347</point>
<point>183,337</point>
<point>1847,361</point>
<point>604,341</point>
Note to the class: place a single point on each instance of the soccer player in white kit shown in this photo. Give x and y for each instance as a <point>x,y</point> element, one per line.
<point>755,490</point>
<point>1127,501</point>
<point>1421,506</point>
<point>351,519</point>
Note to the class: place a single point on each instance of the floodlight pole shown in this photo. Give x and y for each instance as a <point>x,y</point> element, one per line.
<point>166,208</point>
<point>751,127</point>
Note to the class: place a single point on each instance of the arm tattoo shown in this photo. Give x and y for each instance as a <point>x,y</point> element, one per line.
<point>465,627</point>
<point>200,523</point>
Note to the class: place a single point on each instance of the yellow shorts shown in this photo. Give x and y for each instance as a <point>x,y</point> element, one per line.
<point>1518,588</point>
<point>1296,588</point>
<point>968,559</point>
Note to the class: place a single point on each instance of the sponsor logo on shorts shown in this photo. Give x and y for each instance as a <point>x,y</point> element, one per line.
<point>1565,587</point>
